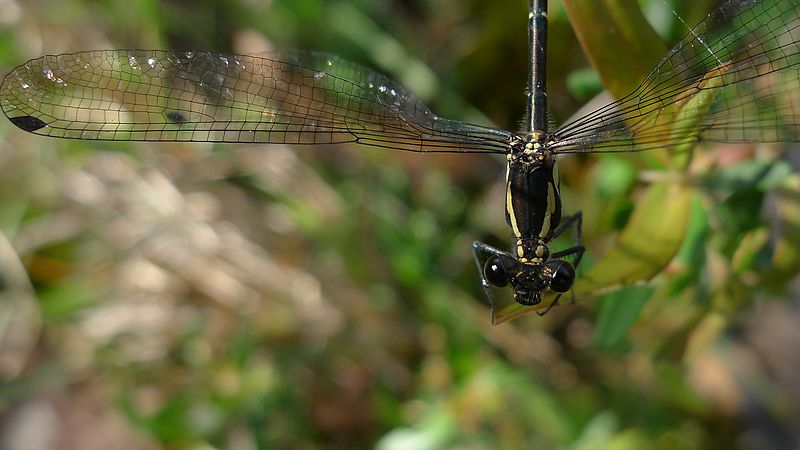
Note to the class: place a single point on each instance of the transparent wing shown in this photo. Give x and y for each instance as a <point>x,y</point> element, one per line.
<point>734,78</point>
<point>289,97</point>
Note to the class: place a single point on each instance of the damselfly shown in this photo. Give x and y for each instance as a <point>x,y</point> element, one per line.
<point>733,78</point>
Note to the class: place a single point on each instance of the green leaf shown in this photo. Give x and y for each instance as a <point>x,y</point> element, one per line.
<point>648,243</point>
<point>618,311</point>
<point>692,255</point>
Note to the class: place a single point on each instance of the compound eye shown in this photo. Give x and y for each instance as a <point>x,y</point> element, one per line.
<point>563,278</point>
<point>494,272</point>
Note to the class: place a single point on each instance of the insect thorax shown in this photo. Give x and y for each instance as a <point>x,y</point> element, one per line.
<point>533,202</point>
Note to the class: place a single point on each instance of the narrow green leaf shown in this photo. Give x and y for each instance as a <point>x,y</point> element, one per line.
<point>647,244</point>
<point>618,311</point>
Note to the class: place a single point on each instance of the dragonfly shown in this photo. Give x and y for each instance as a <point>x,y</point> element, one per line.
<point>734,77</point>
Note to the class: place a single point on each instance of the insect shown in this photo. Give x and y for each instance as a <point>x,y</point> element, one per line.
<point>732,79</point>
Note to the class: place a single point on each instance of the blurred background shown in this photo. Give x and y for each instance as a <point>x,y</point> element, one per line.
<point>198,296</point>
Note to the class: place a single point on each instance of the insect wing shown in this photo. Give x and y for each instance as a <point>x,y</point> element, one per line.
<point>288,97</point>
<point>734,78</point>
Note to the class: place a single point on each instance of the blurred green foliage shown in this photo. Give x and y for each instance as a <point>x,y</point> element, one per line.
<point>242,297</point>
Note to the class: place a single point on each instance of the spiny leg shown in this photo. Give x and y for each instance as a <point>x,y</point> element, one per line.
<point>574,222</point>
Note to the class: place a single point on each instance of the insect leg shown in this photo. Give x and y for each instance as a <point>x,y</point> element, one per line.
<point>574,222</point>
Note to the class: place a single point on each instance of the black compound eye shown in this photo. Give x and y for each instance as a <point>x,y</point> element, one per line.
<point>563,278</point>
<point>494,272</point>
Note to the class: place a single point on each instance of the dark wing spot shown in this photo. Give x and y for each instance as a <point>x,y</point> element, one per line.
<point>28,123</point>
<point>175,117</point>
